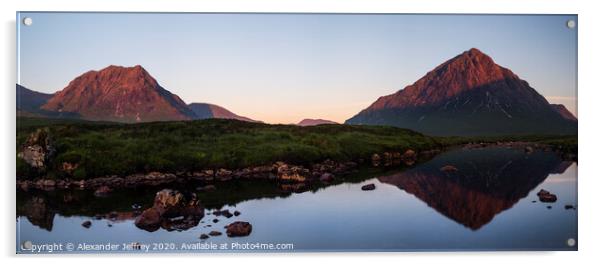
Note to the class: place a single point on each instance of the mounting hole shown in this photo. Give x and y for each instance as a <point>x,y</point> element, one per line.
<point>27,21</point>
<point>571,242</point>
<point>571,24</point>
<point>27,245</point>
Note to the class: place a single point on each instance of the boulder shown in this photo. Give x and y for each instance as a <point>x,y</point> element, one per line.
<point>223,174</point>
<point>388,158</point>
<point>375,159</point>
<point>37,149</point>
<point>368,187</point>
<point>167,206</point>
<point>292,173</point>
<point>239,228</point>
<point>227,213</point>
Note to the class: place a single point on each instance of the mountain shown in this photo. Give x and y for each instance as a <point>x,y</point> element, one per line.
<point>207,110</point>
<point>468,95</point>
<point>314,122</point>
<point>122,94</point>
<point>561,109</point>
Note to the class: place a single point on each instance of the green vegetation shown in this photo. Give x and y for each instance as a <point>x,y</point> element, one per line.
<point>119,149</point>
<point>100,148</point>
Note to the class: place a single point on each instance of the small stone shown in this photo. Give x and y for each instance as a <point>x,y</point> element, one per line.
<point>236,213</point>
<point>215,220</point>
<point>368,187</point>
<point>203,236</point>
<point>87,224</point>
<point>215,233</point>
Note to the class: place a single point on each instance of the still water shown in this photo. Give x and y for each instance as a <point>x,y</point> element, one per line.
<point>489,203</point>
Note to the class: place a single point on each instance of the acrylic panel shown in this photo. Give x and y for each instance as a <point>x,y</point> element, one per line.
<point>295,132</point>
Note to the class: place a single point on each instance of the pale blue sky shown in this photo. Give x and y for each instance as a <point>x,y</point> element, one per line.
<point>281,68</point>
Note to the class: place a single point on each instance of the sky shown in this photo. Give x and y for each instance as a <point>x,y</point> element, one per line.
<point>282,68</point>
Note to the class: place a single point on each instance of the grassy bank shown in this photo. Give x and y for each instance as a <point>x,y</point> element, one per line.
<point>120,149</point>
<point>101,148</point>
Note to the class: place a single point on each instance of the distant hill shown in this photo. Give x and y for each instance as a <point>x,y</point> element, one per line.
<point>30,101</point>
<point>121,94</point>
<point>468,95</point>
<point>561,109</point>
<point>207,110</point>
<point>314,122</point>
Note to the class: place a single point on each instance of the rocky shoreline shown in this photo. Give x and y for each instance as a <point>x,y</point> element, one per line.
<point>287,174</point>
<point>282,172</point>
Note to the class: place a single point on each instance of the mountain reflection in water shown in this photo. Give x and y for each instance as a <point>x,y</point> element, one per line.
<point>487,181</point>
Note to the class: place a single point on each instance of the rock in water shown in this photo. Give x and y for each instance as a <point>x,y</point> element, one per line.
<point>239,228</point>
<point>546,196</point>
<point>368,187</point>
<point>215,233</point>
<point>87,224</point>
<point>168,205</point>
